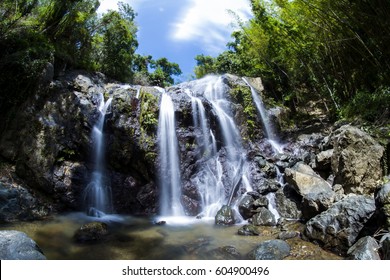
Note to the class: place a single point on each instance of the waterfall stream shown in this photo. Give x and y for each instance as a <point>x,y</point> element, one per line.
<point>170,182</point>
<point>209,178</point>
<point>97,194</point>
<point>267,125</point>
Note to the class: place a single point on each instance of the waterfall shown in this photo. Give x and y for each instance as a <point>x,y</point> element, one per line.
<point>209,178</point>
<point>170,182</point>
<point>267,125</point>
<point>97,194</point>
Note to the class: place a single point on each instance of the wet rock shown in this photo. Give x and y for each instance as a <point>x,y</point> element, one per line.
<point>263,217</point>
<point>17,203</point>
<point>288,203</point>
<point>225,216</point>
<point>91,232</point>
<point>248,230</point>
<point>16,245</point>
<point>224,253</point>
<point>385,246</point>
<point>323,160</point>
<point>356,160</point>
<point>315,203</point>
<point>365,248</point>
<point>195,246</point>
<point>338,227</point>
<point>246,207</point>
<point>270,250</point>
<point>284,235</point>
<point>304,180</point>
<point>382,201</point>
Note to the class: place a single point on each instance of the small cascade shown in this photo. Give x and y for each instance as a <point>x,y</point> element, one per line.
<point>272,205</point>
<point>97,194</point>
<point>170,182</point>
<point>268,128</point>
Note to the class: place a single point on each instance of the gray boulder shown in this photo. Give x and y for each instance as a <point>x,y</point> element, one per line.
<point>288,203</point>
<point>225,216</point>
<point>315,203</point>
<point>338,227</point>
<point>270,250</point>
<point>263,217</point>
<point>17,203</point>
<point>385,246</point>
<point>16,245</point>
<point>382,200</point>
<point>356,160</point>
<point>324,159</point>
<point>365,248</point>
<point>304,180</point>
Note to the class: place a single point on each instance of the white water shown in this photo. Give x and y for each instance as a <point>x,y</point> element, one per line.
<point>267,125</point>
<point>170,181</point>
<point>209,179</point>
<point>97,194</point>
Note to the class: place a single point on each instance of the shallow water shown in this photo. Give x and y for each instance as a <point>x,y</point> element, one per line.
<point>139,238</point>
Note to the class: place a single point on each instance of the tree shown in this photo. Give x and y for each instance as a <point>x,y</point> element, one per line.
<point>67,25</point>
<point>119,42</point>
<point>163,72</point>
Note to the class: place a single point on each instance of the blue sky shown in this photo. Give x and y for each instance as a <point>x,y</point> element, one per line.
<point>181,29</point>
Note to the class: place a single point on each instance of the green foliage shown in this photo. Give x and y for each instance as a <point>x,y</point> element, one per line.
<point>243,96</point>
<point>325,50</point>
<point>119,43</point>
<point>149,112</point>
<point>372,107</point>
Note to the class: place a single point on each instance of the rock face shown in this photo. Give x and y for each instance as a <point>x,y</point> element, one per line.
<point>270,250</point>
<point>50,141</point>
<point>356,160</point>
<point>338,227</point>
<point>365,248</point>
<point>16,245</point>
<point>17,203</point>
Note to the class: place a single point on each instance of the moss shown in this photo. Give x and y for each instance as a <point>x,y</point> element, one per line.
<point>243,96</point>
<point>149,112</point>
<point>123,104</point>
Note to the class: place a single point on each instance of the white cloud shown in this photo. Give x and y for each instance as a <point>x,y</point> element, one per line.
<point>113,4</point>
<point>209,22</point>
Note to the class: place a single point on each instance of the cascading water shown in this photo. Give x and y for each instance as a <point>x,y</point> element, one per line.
<point>170,182</point>
<point>98,193</point>
<point>209,178</point>
<point>268,128</point>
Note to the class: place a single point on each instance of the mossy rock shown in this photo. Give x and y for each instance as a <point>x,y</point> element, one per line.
<point>91,232</point>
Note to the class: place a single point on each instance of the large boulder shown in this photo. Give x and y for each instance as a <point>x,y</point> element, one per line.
<point>338,227</point>
<point>18,203</point>
<point>315,203</point>
<point>225,216</point>
<point>263,217</point>
<point>365,248</point>
<point>305,181</point>
<point>16,245</point>
<point>356,160</point>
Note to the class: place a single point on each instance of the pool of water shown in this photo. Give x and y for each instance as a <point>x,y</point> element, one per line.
<point>140,238</point>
